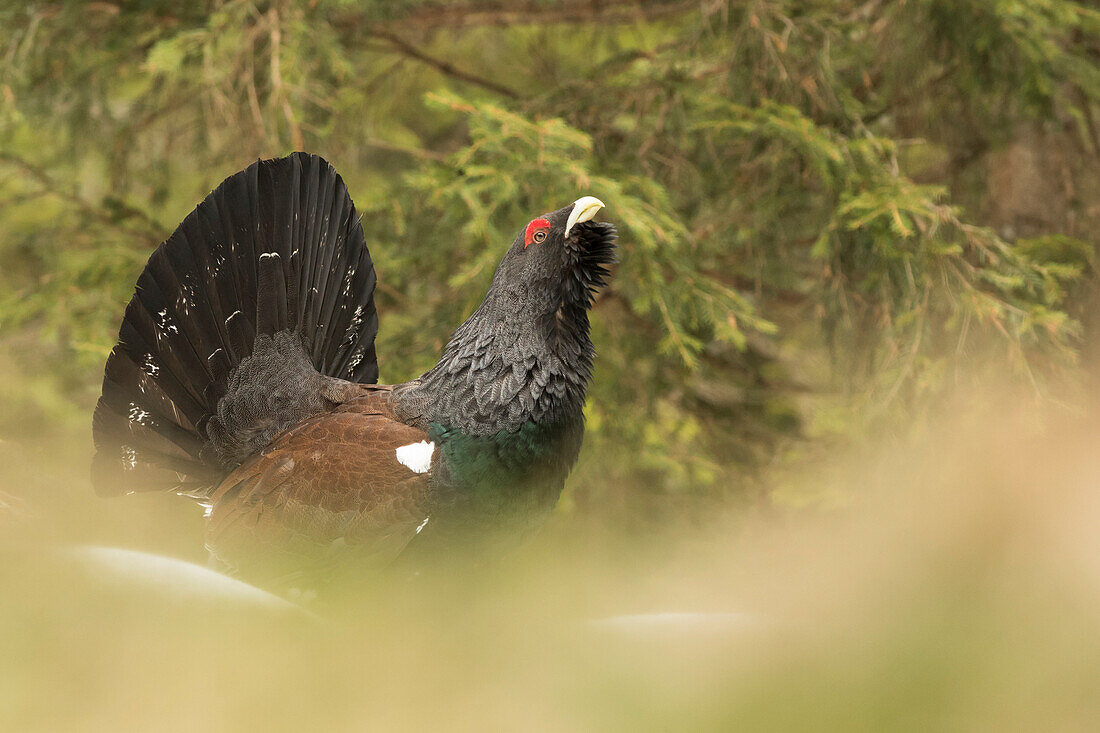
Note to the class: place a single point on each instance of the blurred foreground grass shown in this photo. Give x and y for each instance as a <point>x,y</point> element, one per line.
<point>960,591</point>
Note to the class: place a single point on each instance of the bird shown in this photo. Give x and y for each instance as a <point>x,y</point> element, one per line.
<point>245,376</point>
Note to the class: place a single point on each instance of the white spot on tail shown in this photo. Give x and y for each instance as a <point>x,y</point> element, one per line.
<point>355,361</point>
<point>416,456</point>
<point>149,366</point>
<point>129,458</point>
<point>137,414</point>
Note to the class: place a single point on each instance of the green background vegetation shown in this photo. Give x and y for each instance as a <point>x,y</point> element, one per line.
<point>830,211</point>
<point>843,376</point>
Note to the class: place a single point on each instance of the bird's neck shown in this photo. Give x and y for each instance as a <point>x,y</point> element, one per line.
<point>500,373</point>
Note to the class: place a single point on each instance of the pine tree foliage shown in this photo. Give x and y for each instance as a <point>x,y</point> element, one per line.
<point>803,190</point>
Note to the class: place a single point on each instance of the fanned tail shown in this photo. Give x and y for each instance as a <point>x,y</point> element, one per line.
<point>269,278</point>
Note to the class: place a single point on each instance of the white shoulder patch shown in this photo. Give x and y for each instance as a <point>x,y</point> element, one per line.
<point>416,456</point>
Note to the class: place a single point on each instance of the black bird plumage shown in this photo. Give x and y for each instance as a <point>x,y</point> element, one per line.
<point>245,374</point>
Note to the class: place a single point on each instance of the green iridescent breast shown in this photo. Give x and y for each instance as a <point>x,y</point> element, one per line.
<point>509,470</point>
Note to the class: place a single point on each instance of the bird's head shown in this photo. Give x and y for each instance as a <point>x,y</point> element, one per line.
<point>557,260</point>
<point>525,353</point>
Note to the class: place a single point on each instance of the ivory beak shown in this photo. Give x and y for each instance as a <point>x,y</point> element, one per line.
<point>584,209</point>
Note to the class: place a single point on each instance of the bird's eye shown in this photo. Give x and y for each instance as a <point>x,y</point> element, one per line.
<point>536,232</point>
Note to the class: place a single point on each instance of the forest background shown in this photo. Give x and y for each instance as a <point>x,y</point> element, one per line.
<point>833,213</point>
<point>840,470</point>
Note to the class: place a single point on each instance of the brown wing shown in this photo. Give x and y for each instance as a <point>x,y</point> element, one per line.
<point>334,480</point>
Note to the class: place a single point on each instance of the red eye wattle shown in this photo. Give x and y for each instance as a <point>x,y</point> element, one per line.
<point>536,232</point>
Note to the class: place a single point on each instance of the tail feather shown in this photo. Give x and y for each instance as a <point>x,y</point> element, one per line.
<point>270,269</point>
